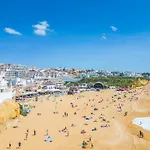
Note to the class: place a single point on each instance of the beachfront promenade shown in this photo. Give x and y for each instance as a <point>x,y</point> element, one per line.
<point>90,120</point>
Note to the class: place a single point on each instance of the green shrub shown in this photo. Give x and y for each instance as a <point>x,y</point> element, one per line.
<point>22,110</point>
<point>24,114</point>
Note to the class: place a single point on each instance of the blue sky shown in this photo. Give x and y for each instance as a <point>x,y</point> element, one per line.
<point>99,34</point>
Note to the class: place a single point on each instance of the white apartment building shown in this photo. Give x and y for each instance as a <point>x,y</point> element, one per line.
<point>5,92</point>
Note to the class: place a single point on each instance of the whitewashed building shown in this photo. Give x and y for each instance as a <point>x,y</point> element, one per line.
<point>5,91</point>
<point>49,86</point>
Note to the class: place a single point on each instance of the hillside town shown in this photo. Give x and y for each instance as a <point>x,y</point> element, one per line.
<point>11,72</point>
<point>26,80</point>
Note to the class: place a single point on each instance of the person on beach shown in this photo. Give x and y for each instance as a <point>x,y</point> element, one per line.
<point>83,132</point>
<point>67,134</point>
<point>141,134</point>
<point>34,132</point>
<point>27,130</point>
<point>83,144</point>
<point>19,145</point>
<point>73,125</point>
<point>46,132</point>
<point>9,145</point>
<point>26,136</point>
<point>64,129</point>
<point>90,138</point>
<point>91,146</point>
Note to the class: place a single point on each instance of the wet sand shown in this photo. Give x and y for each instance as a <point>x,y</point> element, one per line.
<point>105,111</point>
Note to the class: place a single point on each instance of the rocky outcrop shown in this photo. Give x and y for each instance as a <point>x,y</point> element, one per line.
<point>8,110</point>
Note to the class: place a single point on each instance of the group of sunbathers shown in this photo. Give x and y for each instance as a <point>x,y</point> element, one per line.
<point>65,130</point>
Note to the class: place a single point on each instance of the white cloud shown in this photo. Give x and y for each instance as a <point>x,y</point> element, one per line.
<point>113,28</point>
<point>104,36</point>
<point>12,31</point>
<point>41,28</point>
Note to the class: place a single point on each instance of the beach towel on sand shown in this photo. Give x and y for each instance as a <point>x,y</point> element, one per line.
<point>88,118</point>
<point>48,139</point>
<point>27,111</point>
